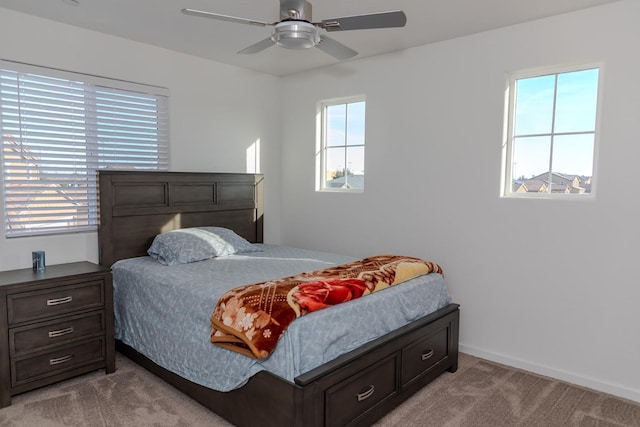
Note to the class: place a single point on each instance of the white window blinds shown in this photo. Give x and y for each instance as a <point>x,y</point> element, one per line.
<point>58,128</point>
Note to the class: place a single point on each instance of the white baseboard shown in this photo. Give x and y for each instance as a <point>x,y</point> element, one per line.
<point>592,383</point>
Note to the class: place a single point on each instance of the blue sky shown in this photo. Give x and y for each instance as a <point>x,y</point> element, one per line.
<point>353,136</point>
<point>575,112</point>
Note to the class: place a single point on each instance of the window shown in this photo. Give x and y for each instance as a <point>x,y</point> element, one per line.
<point>340,153</point>
<point>58,128</point>
<point>552,134</point>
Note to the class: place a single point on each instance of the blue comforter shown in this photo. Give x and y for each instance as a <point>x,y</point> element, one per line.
<point>163,312</point>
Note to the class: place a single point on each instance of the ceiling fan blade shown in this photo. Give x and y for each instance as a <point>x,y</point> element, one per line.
<point>258,47</point>
<point>335,49</point>
<point>391,19</point>
<point>219,17</point>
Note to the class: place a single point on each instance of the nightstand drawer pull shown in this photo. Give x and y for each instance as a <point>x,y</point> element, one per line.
<point>61,332</point>
<point>366,394</point>
<point>427,355</point>
<point>59,360</point>
<point>58,301</point>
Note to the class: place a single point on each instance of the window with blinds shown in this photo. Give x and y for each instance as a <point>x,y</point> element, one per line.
<point>58,129</point>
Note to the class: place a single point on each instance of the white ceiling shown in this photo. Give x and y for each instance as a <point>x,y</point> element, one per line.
<point>160,23</point>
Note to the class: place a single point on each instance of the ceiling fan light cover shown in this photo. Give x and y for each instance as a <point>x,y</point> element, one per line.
<point>295,35</point>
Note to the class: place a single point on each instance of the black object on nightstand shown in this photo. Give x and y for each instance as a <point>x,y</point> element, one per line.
<point>54,324</point>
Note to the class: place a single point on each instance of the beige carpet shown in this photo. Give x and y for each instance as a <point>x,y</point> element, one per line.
<point>481,393</point>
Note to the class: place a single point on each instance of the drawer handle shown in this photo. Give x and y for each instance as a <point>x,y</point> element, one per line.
<point>58,301</point>
<point>427,355</point>
<point>61,332</point>
<point>366,394</point>
<point>59,360</point>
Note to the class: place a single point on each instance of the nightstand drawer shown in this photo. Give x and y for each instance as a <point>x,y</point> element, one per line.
<point>55,301</point>
<point>56,361</point>
<point>351,398</point>
<point>419,357</point>
<point>32,338</point>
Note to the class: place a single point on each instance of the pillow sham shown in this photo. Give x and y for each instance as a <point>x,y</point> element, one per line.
<point>198,243</point>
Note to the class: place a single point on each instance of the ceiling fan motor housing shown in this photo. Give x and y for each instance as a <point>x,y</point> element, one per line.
<point>295,35</point>
<point>295,31</point>
<point>295,9</point>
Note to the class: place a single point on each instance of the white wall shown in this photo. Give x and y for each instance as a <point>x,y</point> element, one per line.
<point>550,286</point>
<point>217,112</point>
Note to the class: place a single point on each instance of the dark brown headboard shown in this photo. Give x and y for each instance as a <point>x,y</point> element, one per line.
<point>135,206</point>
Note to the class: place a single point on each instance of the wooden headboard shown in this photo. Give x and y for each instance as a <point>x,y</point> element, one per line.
<point>136,206</point>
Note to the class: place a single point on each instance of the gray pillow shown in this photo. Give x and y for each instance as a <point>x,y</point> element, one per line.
<point>198,243</point>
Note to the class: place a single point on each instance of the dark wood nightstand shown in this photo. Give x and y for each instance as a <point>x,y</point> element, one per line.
<point>54,325</point>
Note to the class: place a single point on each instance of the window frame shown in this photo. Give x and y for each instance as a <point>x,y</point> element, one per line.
<point>322,146</point>
<point>121,104</point>
<point>506,182</point>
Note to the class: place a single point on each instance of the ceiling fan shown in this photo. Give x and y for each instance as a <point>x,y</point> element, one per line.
<point>296,30</point>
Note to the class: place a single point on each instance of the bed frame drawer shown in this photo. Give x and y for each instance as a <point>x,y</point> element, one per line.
<point>61,359</point>
<point>355,396</point>
<point>23,307</point>
<point>419,357</point>
<point>40,336</point>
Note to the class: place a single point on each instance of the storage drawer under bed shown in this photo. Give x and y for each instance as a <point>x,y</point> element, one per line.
<point>358,388</point>
<point>420,356</point>
<point>353,397</point>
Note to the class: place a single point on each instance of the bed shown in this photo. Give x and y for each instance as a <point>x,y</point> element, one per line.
<point>355,385</point>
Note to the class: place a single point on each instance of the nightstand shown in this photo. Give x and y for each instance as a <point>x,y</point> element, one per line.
<point>54,324</point>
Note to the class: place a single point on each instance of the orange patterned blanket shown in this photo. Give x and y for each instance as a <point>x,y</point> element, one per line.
<point>250,319</point>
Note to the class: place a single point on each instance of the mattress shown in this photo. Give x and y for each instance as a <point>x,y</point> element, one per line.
<point>163,312</point>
